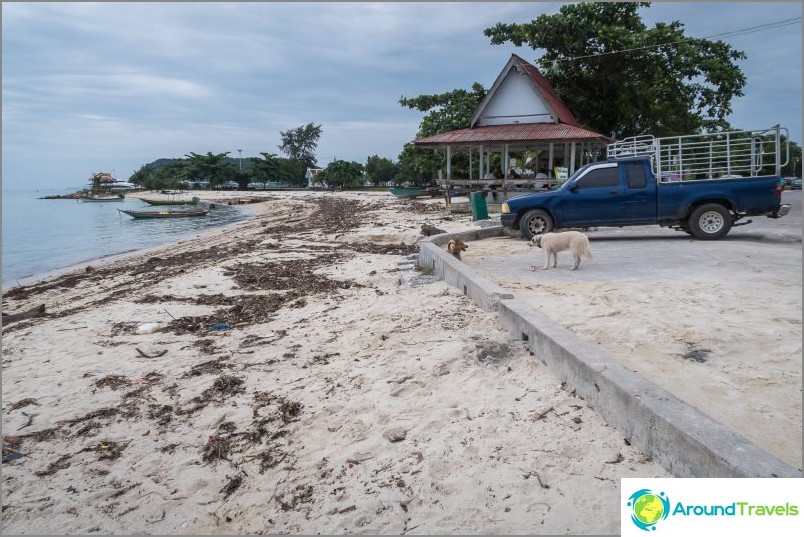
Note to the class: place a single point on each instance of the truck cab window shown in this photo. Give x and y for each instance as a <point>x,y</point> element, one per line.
<point>601,178</point>
<point>635,175</point>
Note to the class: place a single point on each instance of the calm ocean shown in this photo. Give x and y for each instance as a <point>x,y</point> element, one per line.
<point>40,236</point>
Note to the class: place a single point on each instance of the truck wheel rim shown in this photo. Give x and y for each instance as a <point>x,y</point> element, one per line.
<point>537,225</point>
<point>711,222</point>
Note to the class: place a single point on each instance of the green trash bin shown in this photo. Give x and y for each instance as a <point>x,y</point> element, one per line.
<point>480,210</point>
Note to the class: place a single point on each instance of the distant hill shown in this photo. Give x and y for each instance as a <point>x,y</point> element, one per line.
<point>158,164</point>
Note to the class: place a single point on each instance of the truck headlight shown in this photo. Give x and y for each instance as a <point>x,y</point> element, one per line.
<point>505,209</point>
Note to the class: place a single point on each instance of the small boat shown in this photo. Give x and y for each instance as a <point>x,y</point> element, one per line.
<point>168,213</point>
<point>104,198</point>
<point>193,201</point>
<point>415,192</point>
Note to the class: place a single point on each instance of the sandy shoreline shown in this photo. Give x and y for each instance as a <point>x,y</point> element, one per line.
<point>351,395</point>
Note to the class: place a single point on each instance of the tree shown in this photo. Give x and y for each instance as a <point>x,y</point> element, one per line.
<point>213,168</point>
<point>269,168</point>
<point>620,77</point>
<point>143,176</point>
<point>265,169</point>
<point>343,174</point>
<point>380,169</point>
<point>418,166</point>
<point>300,144</point>
<point>443,112</point>
<point>446,111</point>
<point>97,181</point>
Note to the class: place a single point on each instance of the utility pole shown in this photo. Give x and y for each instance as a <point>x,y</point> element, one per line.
<point>240,159</point>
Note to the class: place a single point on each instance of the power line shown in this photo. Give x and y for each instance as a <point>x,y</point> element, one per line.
<point>732,33</point>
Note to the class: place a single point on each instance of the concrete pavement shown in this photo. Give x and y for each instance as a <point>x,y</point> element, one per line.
<point>684,440</point>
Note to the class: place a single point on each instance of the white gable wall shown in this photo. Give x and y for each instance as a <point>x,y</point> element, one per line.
<point>515,101</point>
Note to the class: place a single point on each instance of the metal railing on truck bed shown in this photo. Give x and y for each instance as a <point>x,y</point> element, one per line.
<point>710,156</point>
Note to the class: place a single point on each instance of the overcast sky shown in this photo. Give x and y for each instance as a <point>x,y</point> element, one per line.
<point>113,86</point>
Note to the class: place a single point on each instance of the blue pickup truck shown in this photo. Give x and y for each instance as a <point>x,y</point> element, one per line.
<point>625,192</point>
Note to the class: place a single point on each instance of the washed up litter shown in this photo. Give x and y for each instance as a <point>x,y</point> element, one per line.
<point>148,328</point>
<point>215,327</point>
<point>13,456</point>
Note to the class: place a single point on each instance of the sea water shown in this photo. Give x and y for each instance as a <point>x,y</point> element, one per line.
<point>41,236</point>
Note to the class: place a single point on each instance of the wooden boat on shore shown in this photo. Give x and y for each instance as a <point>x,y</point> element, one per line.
<point>193,201</point>
<point>104,198</point>
<point>415,192</point>
<point>168,213</point>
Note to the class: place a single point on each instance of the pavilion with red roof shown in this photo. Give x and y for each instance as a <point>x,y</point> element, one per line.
<point>520,113</point>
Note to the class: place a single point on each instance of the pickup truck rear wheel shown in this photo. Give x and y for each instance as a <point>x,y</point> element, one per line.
<point>710,221</point>
<point>535,222</point>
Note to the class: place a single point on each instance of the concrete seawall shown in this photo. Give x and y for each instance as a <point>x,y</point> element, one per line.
<point>681,438</point>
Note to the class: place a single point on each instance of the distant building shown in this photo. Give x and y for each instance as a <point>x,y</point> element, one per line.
<point>521,115</point>
<point>310,175</point>
<point>105,181</point>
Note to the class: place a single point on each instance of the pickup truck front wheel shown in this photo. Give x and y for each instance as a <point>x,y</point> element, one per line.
<point>710,221</point>
<point>535,222</point>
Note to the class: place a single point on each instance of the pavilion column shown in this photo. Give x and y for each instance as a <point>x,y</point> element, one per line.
<point>550,161</point>
<point>572,158</point>
<point>565,162</point>
<point>480,174</point>
<point>449,162</point>
<point>470,162</point>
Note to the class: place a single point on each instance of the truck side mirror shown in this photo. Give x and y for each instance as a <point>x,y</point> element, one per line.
<point>573,186</point>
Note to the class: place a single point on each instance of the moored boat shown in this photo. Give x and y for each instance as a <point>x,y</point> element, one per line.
<point>168,213</point>
<point>193,201</point>
<point>104,198</point>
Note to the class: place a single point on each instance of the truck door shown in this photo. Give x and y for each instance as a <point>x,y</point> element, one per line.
<point>638,200</point>
<point>594,198</point>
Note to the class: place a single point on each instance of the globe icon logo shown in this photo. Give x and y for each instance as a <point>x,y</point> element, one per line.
<point>648,508</point>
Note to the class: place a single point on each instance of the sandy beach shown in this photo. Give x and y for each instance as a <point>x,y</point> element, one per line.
<point>345,392</point>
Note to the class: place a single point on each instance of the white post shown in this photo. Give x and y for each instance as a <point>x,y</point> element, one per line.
<point>504,163</point>
<point>470,162</point>
<point>550,161</point>
<point>449,162</point>
<point>480,174</point>
<point>572,158</point>
<point>565,164</point>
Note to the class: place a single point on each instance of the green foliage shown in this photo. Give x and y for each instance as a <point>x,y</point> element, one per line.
<point>342,174</point>
<point>294,170</point>
<point>165,173</point>
<point>443,112</point>
<point>380,169</point>
<point>214,168</point>
<point>664,84</point>
<point>265,169</point>
<point>793,167</point>
<point>300,144</point>
<point>446,111</point>
<point>418,166</point>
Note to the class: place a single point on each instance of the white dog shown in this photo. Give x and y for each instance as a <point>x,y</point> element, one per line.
<point>552,243</point>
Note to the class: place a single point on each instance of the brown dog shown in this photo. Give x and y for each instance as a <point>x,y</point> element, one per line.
<point>456,246</point>
<point>552,243</point>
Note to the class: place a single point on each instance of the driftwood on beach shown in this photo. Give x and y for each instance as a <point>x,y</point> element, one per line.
<point>27,314</point>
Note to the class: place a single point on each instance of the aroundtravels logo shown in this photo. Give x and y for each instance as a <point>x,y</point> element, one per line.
<point>648,508</point>
<point>679,506</point>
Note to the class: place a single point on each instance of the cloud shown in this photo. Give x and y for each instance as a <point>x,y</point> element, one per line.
<point>140,81</point>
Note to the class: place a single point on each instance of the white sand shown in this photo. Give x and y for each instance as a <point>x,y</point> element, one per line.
<point>491,442</point>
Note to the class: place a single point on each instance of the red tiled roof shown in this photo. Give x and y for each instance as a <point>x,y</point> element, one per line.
<point>547,92</point>
<point>522,132</point>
